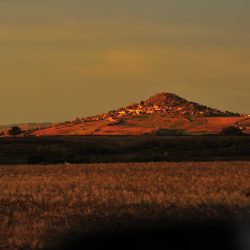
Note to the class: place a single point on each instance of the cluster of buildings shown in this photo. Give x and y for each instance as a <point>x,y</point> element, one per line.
<point>128,111</point>
<point>244,128</point>
<point>186,110</point>
<point>139,109</point>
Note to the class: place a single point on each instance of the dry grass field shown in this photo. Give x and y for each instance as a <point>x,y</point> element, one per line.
<point>41,204</point>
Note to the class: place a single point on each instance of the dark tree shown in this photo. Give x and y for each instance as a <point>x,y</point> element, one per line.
<point>14,131</point>
<point>232,131</point>
<point>169,132</point>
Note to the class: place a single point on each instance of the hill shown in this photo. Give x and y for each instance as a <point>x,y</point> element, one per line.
<point>162,112</point>
<point>172,105</point>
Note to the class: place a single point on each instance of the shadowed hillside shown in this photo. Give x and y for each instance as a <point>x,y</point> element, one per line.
<point>96,149</point>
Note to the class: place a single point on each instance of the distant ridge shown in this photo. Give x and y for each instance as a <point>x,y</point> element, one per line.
<point>26,126</point>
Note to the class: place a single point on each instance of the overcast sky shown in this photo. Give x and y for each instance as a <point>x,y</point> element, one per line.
<point>65,58</point>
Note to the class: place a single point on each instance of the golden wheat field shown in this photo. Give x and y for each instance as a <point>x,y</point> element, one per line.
<point>39,204</point>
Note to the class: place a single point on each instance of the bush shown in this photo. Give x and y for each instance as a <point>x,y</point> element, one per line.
<point>168,132</point>
<point>232,131</point>
<point>14,131</point>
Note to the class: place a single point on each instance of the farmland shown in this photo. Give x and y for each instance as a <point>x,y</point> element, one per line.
<point>43,204</point>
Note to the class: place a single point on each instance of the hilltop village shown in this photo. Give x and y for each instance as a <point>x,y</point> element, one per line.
<point>169,104</point>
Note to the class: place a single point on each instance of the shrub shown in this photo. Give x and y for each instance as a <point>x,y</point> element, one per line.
<point>14,131</point>
<point>232,131</point>
<point>169,132</point>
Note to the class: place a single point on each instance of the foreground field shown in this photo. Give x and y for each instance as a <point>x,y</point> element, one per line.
<point>40,205</point>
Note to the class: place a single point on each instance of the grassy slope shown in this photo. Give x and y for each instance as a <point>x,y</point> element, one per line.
<point>73,129</point>
<point>145,125</point>
<point>41,204</point>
